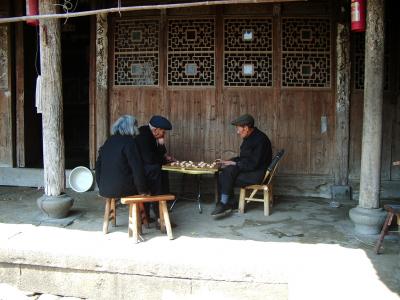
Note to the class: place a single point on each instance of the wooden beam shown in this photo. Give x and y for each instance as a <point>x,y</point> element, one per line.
<point>373,105</point>
<point>6,124</point>
<point>343,78</point>
<point>92,94</point>
<point>139,8</point>
<point>102,127</point>
<point>52,102</point>
<point>20,89</point>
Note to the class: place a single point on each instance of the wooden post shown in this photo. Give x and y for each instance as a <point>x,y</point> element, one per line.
<point>343,76</point>
<point>102,116</point>
<point>6,107</point>
<point>19,88</point>
<point>373,102</point>
<point>52,116</point>
<point>368,217</point>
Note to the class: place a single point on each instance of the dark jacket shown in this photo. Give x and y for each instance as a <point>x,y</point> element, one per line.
<point>255,152</point>
<point>151,152</point>
<point>119,168</point>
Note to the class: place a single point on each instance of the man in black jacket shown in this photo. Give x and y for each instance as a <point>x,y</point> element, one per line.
<point>119,167</point>
<point>151,141</point>
<point>249,167</point>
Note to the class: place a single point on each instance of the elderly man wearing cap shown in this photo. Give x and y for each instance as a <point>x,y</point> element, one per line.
<point>249,167</point>
<point>151,141</point>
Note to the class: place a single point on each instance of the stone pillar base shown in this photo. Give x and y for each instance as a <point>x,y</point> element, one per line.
<point>367,220</point>
<point>56,207</point>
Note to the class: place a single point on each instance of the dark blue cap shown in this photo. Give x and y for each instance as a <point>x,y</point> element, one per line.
<point>160,122</point>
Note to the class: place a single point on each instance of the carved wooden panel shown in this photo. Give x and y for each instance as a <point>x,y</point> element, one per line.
<point>191,52</point>
<point>306,52</point>
<point>136,52</point>
<point>248,52</point>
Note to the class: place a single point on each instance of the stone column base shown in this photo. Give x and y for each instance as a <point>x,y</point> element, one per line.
<point>367,220</point>
<point>56,207</point>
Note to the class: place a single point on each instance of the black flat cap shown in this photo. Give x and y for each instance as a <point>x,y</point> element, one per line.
<point>160,122</point>
<point>244,120</point>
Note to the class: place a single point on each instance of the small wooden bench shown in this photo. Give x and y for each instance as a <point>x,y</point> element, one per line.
<point>110,214</point>
<point>135,224</point>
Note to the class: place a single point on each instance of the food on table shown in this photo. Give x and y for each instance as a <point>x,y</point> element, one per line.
<point>191,164</point>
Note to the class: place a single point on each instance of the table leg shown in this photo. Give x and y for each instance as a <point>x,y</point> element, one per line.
<point>180,194</point>
<point>199,192</point>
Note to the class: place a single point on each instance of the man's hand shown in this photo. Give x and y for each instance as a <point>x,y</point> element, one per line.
<point>226,163</point>
<point>169,158</point>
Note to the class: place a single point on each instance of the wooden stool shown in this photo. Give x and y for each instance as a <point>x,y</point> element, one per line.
<point>392,210</point>
<point>134,226</point>
<point>110,214</point>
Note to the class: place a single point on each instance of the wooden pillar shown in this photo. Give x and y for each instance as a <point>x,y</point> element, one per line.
<point>52,109</point>
<point>343,76</point>
<point>6,109</point>
<point>367,216</point>
<point>373,102</point>
<point>102,116</point>
<point>20,87</point>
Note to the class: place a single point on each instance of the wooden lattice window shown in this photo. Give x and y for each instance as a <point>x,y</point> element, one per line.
<point>136,52</point>
<point>306,52</point>
<point>358,42</point>
<point>191,52</point>
<point>248,52</point>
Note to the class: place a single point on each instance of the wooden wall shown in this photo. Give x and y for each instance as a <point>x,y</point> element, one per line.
<point>201,116</point>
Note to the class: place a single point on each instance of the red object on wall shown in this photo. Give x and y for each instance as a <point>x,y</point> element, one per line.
<point>358,15</point>
<point>32,9</point>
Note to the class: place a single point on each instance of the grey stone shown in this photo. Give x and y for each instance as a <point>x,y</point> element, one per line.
<point>367,220</point>
<point>56,207</point>
<point>341,192</point>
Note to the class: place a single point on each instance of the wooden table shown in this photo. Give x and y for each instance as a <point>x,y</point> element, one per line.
<point>198,172</point>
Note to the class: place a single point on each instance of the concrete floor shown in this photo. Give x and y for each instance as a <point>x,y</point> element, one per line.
<point>303,250</point>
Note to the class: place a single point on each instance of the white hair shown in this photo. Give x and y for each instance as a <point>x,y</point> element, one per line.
<point>125,125</point>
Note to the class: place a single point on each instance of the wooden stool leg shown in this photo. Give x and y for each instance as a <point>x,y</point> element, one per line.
<point>138,219</point>
<point>113,213</point>
<point>133,220</point>
<point>130,220</point>
<point>106,216</point>
<point>241,200</point>
<point>266,202</point>
<point>164,209</point>
<point>384,231</point>
<point>162,221</point>
<point>142,213</point>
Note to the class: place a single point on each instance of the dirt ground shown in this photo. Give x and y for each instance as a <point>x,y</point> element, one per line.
<point>294,222</point>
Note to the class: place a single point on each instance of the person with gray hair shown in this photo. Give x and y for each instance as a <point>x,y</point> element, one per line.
<point>119,166</point>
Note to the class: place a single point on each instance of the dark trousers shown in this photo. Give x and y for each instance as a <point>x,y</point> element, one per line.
<point>231,177</point>
<point>158,182</point>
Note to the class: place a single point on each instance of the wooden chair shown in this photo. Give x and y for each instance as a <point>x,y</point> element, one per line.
<point>110,214</point>
<point>265,187</point>
<point>135,225</point>
<point>393,210</point>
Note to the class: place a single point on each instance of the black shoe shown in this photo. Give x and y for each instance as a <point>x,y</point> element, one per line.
<point>221,209</point>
